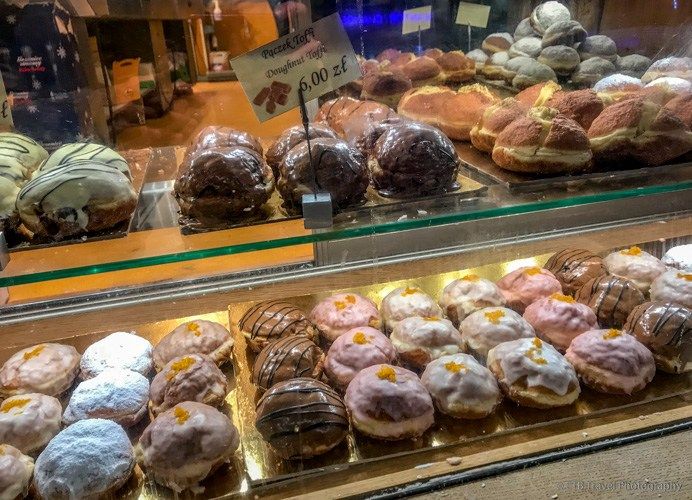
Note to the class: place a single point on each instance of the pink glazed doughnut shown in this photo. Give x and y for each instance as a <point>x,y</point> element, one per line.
<point>339,313</point>
<point>526,285</point>
<point>354,350</point>
<point>390,403</point>
<point>611,361</point>
<point>559,318</point>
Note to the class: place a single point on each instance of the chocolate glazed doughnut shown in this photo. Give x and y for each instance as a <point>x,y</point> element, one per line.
<point>413,159</point>
<point>573,267</point>
<point>287,358</point>
<point>611,298</point>
<point>274,319</point>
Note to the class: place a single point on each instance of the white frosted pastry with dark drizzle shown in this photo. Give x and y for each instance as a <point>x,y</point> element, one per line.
<point>85,151</point>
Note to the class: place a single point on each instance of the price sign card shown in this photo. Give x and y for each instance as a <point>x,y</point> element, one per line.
<point>473,14</point>
<point>5,111</point>
<point>416,19</point>
<point>317,59</point>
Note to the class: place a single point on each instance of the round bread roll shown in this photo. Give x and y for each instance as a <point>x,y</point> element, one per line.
<point>402,60</point>
<point>547,14</point>
<point>493,121</point>
<point>678,67</point>
<point>195,337</point>
<point>677,85</point>
<point>582,106</point>
<point>497,42</point>
<point>561,58</point>
<point>388,55</point>
<point>478,57</point>
<point>386,87</point>
<point>333,112</point>
<point>524,29</point>
<point>413,159</point>
<point>290,138</point>
<point>543,142</point>
<point>215,137</point>
<point>224,183</point>
<point>526,47</point>
<point>539,94</point>
<point>567,33</point>
<point>637,130</point>
<point>425,104</point>
<point>456,67</point>
<point>338,168</point>
<point>423,71</point>
<point>433,52</point>
<point>592,70</point>
<point>532,73</point>
<point>493,68</point>
<point>633,65</point>
<point>598,46</point>
<point>617,87</point>
<point>461,112</point>
<point>511,67</point>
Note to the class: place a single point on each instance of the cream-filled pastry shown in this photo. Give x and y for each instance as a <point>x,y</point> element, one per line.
<point>484,329</point>
<point>198,336</point>
<point>636,265</point>
<point>468,294</point>
<point>46,368</point>
<point>404,302</point>
<point>29,421</point>
<point>419,340</point>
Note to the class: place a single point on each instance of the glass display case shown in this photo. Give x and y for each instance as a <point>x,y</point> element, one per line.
<point>526,164</point>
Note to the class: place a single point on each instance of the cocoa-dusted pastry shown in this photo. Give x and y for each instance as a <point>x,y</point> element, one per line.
<point>592,70</point>
<point>338,168</point>
<point>582,106</point>
<point>287,358</point>
<point>45,368</point>
<point>478,57</point>
<point>633,65</point>
<point>636,265</point>
<point>460,112</point>
<point>524,29</point>
<point>666,329</point>
<point>617,87</point>
<point>423,71</point>
<point>681,106</point>
<point>526,47</point>
<point>544,141</point>
<point>223,183</point>
<point>29,421</point>
<point>274,319</point>
<point>493,121</point>
<point>388,55</point>
<point>75,198</point>
<point>413,159</point>
<point>539,94</point>
<point>493,69</point>
<point>567,33</point>
<point>386,86</point>
<point>192,377</point>
<point>185,444</point>
<point>16,470</point>
<point>456,67</point>
<point>224,137</point>
<point>367,138</point>
<point>598,46</point>
<point>573,267</point>
<point>402,60</point>
<point>560,58</point>
<point>333,111</point>
<point>290,138</point>
<point>640,131</point>
<point>611,298</point>
<point>425,104</point>
<point>497,42</point>
<point>673,286</point>
<point>547,14</point>
<point>198,336</point>
<point>679,67</point>
<point>433,52</point>
<point>302,418</point>
<point>531,73</point>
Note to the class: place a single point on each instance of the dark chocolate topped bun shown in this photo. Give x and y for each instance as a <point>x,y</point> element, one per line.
<point>666,329</point>
<point>218,184</point>
<point>290,138</point>
<point>287,358</point>
<point>214,136</point>
<point>274,319</point>
<point>366,139</point>
<point>333,111</point>
<point>414,159</point>
<point>339,169</point>
<point>573,267</point>
<point>302,418</point>
<point>611,298</point>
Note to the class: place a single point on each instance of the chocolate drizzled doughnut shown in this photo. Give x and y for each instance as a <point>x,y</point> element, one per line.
<point>290,138</point>
<point>287,358</point>
<point>214,136</point>
<point>274,319</point>
<point>573,267</point>
<point>302,418</point>
<point>611,298</point>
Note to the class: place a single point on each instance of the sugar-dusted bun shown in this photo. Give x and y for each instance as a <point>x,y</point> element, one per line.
<point>198,336</point>
<point>526,285</point>
<point>419,340</point>
<point>389,403</point>
<point>124,350</point>
<point>533,373</point>
<point>386,87</point>
<point>567,33</point>
<point>290,138</point>
<point>546,14</point>
<point>680,67</point>
<point>611,361</point>
<point>524,29</point>
<point>339,313</point>
<point>511,67</point>
<point>573,267</point>
<point>679,257</point>
<point>560,58</point>
<point>673,286</point>
<point>423,71</point>
<point>46,368</point>
<point>404,302</point>
<point>677,85</point>
<point>497,42</point>
<point>485,328</point>
<point>544,141</point>
<point>598,46</point>
<point>493,121</point>
<point>456,67</point>
<point>636,265</point>
<point>532,73</point>
<point>271,320</point>
<point>591,71</point>
<point>29,421</point>
<point>470,293</point>
<point>424,104</point>
<point>493,68</point>
<point>461,387</point>
<point>478,57</point>
<point>463,110</point>
<point>538,94</point>
<point>633,65</point>
<point>559,318</point>
<point>681,106</point>
<point>287,358</point>
<point>638,130</point>
<point>666,329</point>
<point>582,106</point>
<point>611,298</point>
<point>526,47</point>
<point>16,470</point>
<point>617,87</point>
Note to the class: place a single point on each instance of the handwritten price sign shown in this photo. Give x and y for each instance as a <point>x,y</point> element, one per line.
<point>317,59</point>
<point>5,111</point>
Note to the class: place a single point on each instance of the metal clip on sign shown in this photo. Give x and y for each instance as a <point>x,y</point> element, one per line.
<point>317,207</point>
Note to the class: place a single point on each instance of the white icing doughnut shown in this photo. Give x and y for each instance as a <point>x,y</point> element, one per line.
<point>113,394</point>
<point>468,294</point>
<point>404,302</point>
<point>29,421</point>
<point>19,157</point>
<point>420,340</point>
<point>488,327</point>
<point>89,459</point>
<point>195,337</point>
<point>635,265</point>
<point>679,257</point>
<point>84,151</point>
<point>15,473</point>
<point>124,350</point>
<point>673,286</point>
<point>46,368</point>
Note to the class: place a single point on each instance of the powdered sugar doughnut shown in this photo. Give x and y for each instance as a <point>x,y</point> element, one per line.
<point>46,368</point>
<point>559,318</point>
<point>533,373</point>
<point>673,286</point>
<point>185,444</point>
<point>90,459</point>
<point>420,340</point>
<point>29,421</point>
<point>488,327</point>
<point>354,350</point>
<point>389,402</point>
<point>15,473</point>
<point>611,361</point>
<point>117,395</point>
<point>124,350</point>
<point>679,257</point>
<point>194,377</point>
<point>461,387</point>
<point>468,294</point>
<point>339,313</point>
<point>526,285</point>
<point>195,337</point>
<point>404,302</point>
<point>634,264</point>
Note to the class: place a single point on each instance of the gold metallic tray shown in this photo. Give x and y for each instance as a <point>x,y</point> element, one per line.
<point>264,466</point>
